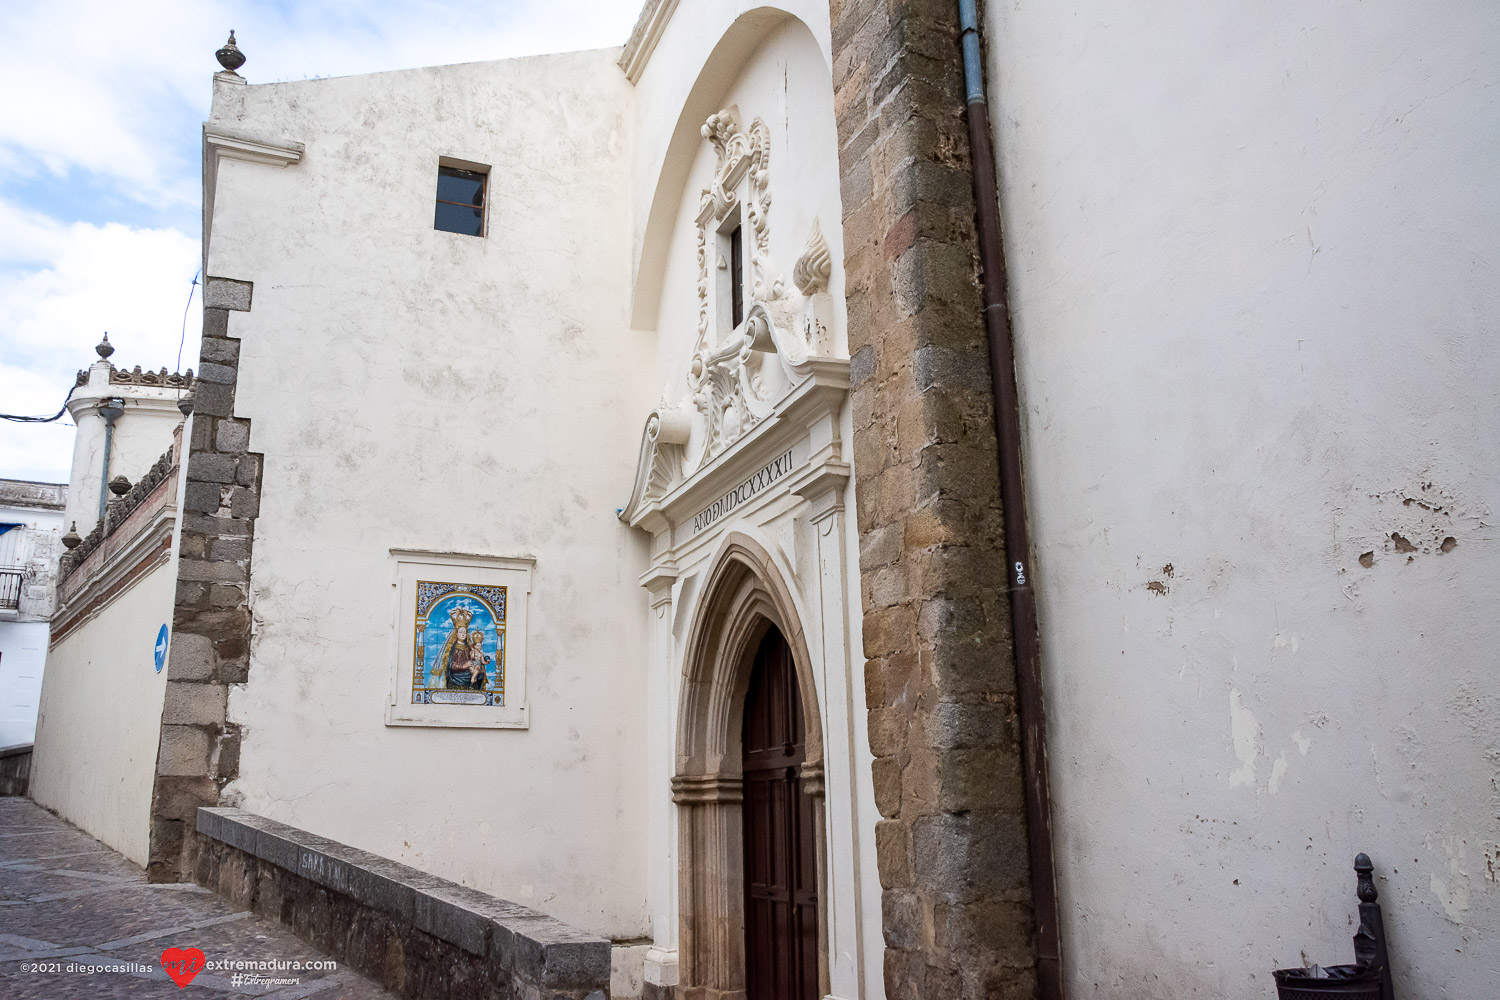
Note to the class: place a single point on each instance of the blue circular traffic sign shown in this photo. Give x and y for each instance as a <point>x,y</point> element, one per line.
<point>161,649</point>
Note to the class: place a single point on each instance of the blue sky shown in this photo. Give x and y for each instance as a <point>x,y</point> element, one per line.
<point>100,159</point>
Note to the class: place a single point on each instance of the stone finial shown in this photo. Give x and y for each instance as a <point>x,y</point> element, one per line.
<point>230,56</point>
<point>185,404</point>
<point>104,348</point>
<point>72,539</point>
<point>1365,873</point>
<point>119,486</point>
<point>815,266</point>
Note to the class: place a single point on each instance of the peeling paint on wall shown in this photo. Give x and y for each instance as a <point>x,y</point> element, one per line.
<point>1452,893</point>
<point>1278,771</point>
<point>1244,730</point>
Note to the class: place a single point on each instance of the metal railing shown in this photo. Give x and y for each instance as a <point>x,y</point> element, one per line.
<point>10,589</point>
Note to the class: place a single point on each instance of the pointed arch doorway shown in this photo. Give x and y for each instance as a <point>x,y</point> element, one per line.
<point>746,663</point>
<point>781,869</point>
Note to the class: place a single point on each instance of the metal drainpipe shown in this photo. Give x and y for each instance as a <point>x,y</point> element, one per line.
<point>110,410</point>
<point>1020,576</point>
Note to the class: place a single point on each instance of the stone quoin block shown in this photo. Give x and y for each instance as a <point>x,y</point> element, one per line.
<point>211,372</point>
<point>200,753</point>
<point>208,467</point>
<point>183,752</point>
<point>222,350</point>
<point>191,658</point>
<point>199,704</point>
<point>232,436</point>
<point>213,400</point>
<point>227,293</point>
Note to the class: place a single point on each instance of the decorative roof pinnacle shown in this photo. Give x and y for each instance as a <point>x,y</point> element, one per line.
<point>230,56</point>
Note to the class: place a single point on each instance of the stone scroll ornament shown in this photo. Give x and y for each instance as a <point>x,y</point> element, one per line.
<point>735,378</point>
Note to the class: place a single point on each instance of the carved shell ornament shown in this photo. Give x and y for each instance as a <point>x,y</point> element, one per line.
<point>815,266</point>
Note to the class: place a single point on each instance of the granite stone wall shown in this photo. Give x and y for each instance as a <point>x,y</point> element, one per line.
<point>210,650</point>
<point>940,670</point>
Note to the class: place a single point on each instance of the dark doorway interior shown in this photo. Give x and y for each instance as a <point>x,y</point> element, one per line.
<point>781,871</point>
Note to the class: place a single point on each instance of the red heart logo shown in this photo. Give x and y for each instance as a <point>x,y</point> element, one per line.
<point>182,965</point>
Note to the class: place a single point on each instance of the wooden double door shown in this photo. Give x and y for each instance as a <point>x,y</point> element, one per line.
<point>781,864</point>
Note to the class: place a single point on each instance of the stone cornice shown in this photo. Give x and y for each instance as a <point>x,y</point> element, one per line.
<point>225,144</point>
<point>660,576</point>
<point>111,570</point>
<point>648,31</point>
<point>25,493</point>
<point>819,397</point>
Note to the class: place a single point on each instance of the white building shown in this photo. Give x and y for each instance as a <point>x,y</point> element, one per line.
<point>114,592</point>
<point>31,516</point>
<point>518,531</point>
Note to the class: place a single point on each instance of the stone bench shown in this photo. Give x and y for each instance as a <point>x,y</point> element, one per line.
<point>420,936</point>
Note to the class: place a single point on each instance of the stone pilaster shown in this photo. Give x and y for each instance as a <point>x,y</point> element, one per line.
<point>200,749</point>
<point>940,671</point>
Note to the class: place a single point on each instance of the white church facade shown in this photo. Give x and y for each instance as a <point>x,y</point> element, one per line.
<point>531,528</point>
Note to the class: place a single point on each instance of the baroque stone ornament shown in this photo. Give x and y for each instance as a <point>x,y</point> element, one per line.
<point>815,266</point>
<point>739,374</point>
<point>727,385</point>
<point>230,56</point>
<point>137,377</point>
<point>104,348</point>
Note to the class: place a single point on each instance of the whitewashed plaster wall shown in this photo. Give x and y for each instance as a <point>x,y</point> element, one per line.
<point>1252,250</point>
<point>776,69</point>
<point>420,389</point>
<point>142,433</point>
<point>703,48</point>
<point>99,721</point>
<point>35,548</point>
<point>23,657</point>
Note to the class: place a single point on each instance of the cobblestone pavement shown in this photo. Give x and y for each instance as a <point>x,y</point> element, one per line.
<point>66,901</point>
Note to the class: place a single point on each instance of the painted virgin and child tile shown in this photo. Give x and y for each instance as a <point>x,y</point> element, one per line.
<point>460,644</point>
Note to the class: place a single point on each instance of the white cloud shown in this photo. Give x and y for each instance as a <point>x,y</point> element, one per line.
<point>42,453</point>
<point>115,88</point>
<point>133,283</point>
<point>104,98</point>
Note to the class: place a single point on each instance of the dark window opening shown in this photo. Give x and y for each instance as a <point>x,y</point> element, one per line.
<point>460,201</point>
<point>736,277</point>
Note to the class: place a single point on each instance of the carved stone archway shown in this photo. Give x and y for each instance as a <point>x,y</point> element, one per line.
<point>744,596</point>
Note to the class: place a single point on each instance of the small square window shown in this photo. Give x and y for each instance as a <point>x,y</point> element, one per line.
<point>460,201</point>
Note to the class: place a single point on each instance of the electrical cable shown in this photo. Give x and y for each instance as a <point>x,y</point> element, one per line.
<point>41,420</point>
<point>183,340</point>
<point>36,420</point>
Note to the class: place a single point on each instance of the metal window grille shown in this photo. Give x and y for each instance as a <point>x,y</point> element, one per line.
<point>10,589</point>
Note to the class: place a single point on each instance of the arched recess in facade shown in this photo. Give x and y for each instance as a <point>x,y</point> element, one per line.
<point>722,66</point>
<point>744,597</point>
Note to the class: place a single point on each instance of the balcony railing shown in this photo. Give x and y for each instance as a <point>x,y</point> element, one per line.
<point>10,589</point>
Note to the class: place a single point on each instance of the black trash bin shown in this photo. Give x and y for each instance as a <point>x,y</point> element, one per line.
<point>1352,982</point>
<point>1369,978</point>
